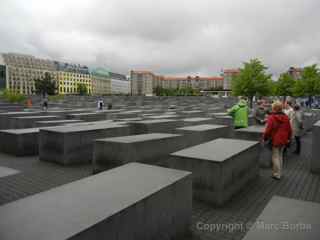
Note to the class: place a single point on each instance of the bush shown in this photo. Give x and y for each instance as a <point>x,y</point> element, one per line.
<point>12,97</point>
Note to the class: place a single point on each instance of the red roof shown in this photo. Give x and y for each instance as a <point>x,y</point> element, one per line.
<point>231,71</point>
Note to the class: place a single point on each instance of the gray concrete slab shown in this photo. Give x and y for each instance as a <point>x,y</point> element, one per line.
<point>220,168</point>
<point>4,117</point>
<point>315,159</point>
<point>56,123</point>
<point>72,144</point>
<point>254,133</point>
<point>29,121</point>
<point>198,134</point>
<point>155,126</point>
<point>144,148</point>
<point>128,202</point>
<point>4,172</point>
<point>197,121</point>
<point>285,218</point>
<point>19,142</point>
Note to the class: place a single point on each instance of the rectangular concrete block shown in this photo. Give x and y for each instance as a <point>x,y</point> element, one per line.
<point>220,168</point>
<point>155,126</point>
<point>254,133</point>
<point>315,159</point>
<point>89,116</point>
<point>198,134</point>
<point>19,142</point>
<point>144,148</point>
<point>55,123</point>
<point>29,121</point>
<point>6,116</point>
<point>132,202</point>
<point>74,143</point>
<point>285,218</point>
<point>197,121</point>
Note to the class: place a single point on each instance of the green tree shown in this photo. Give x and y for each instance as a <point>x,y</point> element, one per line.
<point>252,80</point>
<point>309,84</point>
<point>45,85</point>
<point>285,86</point>
<point>82,89</point>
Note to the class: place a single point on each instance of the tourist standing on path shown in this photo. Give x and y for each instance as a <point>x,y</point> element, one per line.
<point>100,104</point>
<point>239,113</point>
<point>260,113</point>
<point>288,110</point>
<point>45,104</point>
<point>297,127</point>
<point>279,132</point>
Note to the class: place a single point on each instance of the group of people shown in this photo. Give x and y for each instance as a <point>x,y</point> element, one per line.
<point>283,123</point>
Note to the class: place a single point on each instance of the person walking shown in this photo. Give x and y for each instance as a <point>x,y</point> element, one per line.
<point>279,132</point>
<point>260,113</point>
<point>297,127</point>
<point>45,104</point>
<point>239,113</point>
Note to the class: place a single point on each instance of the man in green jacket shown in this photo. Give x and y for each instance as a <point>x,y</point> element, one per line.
<point>239,113</point>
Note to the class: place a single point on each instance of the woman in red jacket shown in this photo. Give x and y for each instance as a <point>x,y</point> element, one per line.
<point>278,131</point>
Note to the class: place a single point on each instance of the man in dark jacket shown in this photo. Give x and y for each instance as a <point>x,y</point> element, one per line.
<point>279,131</point>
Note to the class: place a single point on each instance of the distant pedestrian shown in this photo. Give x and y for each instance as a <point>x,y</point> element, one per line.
<point>239,113</point>
<point>100,104</point>
<point>279,132</point>
<point>45,104</point>
<point>260,113</point>
<point>297,127</point>
<point>288,110</point>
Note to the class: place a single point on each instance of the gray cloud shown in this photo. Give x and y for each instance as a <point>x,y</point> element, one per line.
<point>168,37</point>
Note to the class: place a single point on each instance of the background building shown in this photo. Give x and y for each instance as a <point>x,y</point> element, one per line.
<point>227,75</point>
<point>143,82</point>
<point>3,69</point>
<point>101,82</point>
<point>120,84</point>
<point>22,70</point>
<point>295,72</point>
<point>69,76</point>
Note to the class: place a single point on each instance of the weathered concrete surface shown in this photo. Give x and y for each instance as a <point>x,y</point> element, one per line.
<point>155,126</point>
<point>194,135</point>
<point>133,202</point>
<point>197,121</point>
<point>29,121</point>
<point>220,168</point>
<point>4,172</point>
<point>144,148</point>
<point>19,142</point>
<point>254,133</point>
<point>315,160</point>
<point>74,143</point>
<point>55,123</point>
<point>6,116</point>
<point>286,218</point>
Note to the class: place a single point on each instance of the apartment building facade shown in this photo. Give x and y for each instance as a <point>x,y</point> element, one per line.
<point>101,81</point>
<point>228,75</point>
<point>144,82</point>
<point>69,76</point>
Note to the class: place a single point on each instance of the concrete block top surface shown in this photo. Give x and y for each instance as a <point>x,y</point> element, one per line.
<point>302,216</point>
<point>4,172</point>
<point>37,117</point>
<point>202,127</point>
<point>196,119</point>
<point>218,150</point>
<point>139,138</point>
<point>317,124</point>
<point>255,129</point>
<point>61,121</point>
<point>21,131</point>
<point>155,121</point>
<point>18,113</point>
<point>83,128</point>
<point>163,116</point>
<point>65,211</point>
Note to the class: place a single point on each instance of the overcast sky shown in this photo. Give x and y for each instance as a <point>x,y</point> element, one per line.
<point>171,37</point>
